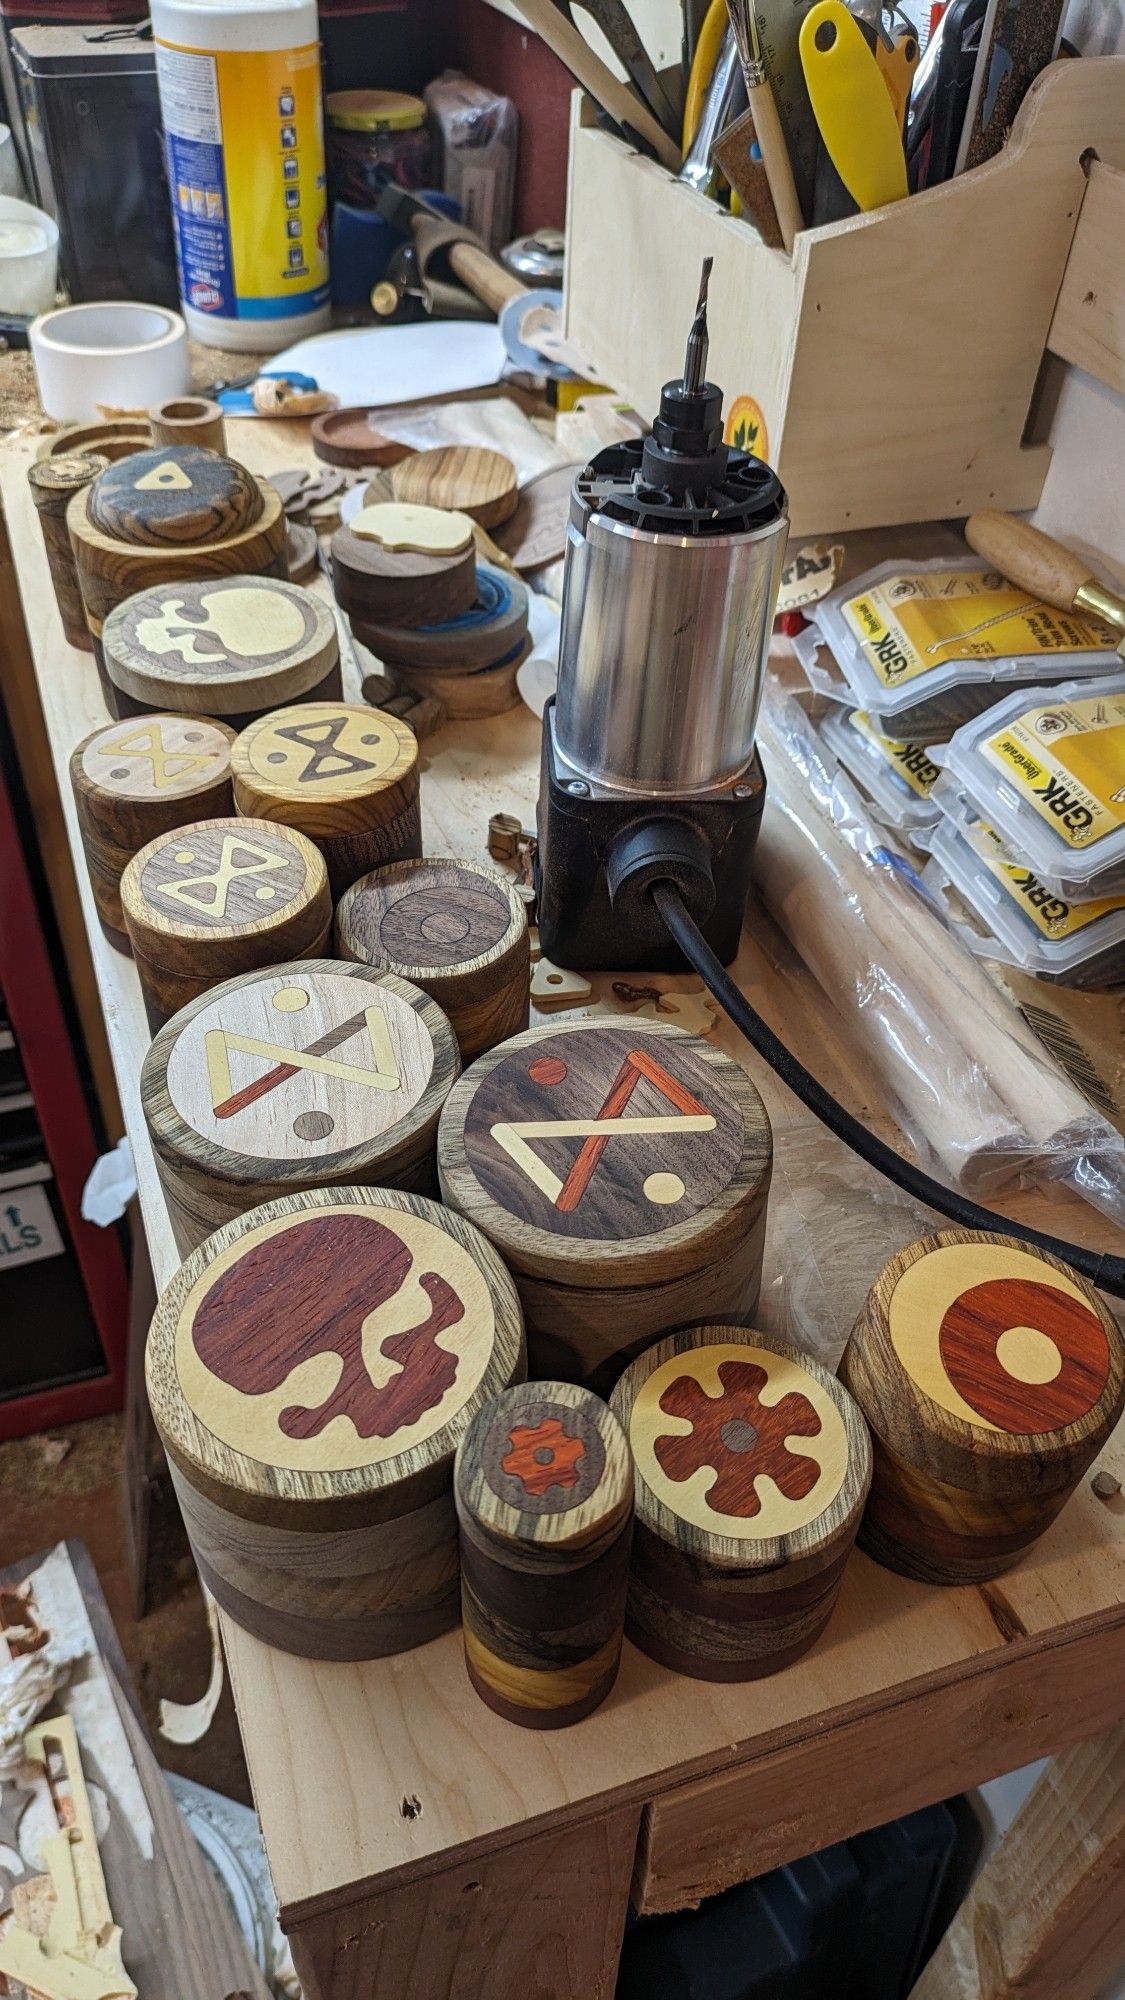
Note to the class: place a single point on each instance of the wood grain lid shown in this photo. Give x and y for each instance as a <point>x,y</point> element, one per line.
<point>748,1455</point>
<point>329,766</point>
<point>603,1154</point>
<point>174,496</point>
<point>218,879</point>
<point>545,1466</point>
<point>315,1363</point>
<point>311,1070</point>
<point>137,767</point>
<point>51,478</point>
<point>986,1362</point>
<point>469,478</point>
<point>233,643</point>
<point>423,918</point>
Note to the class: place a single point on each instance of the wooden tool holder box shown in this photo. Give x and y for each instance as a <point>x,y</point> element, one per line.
<point>891,362</point>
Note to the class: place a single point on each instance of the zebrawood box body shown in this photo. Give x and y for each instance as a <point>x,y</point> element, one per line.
<point>752,1467</point>
<point>173,514</point>
<point>456,929</point>
<point>544,1491</point>
<point>234,646</point>
<point>990,1375</point>
<point>137,779</point>
<point>54,482</point>
<point>312,1074</point>
<point>219,897</point>
<point>622,1171</point>
<point>312,1443</point>
<point>342,773</point>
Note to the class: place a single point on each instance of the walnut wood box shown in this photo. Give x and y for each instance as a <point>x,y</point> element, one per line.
<point>54,482</point>
<point>622,1171</point>
<point>401,586</point>
<point>752,1466</point>
<point>312,1368</point>
<point>169,515</point>
<point>456,929</point>
<point>344,774</point>
<point>990,1375</point>
<point>136,779</point>
<point>313,1074</point>
<point>219,897</point>
<point>232,646</point>
<point>544,1490</point>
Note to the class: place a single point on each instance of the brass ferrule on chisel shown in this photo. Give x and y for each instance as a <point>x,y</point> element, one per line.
<point>1102,602</point>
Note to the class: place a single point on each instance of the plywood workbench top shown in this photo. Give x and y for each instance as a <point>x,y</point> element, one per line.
<point>370,1778</point>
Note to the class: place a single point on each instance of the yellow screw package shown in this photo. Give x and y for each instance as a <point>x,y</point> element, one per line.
<point>1014,918</point>
<point>925,647</point>
<point>898,778</point>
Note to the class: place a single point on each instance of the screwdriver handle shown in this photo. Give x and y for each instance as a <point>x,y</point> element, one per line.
<point>1028,557</point>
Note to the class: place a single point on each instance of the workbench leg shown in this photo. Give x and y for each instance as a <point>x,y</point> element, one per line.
<point>1045,1919</point>
<point>540,1920</point>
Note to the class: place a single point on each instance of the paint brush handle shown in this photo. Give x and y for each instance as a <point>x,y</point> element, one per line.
<point>775,157</point>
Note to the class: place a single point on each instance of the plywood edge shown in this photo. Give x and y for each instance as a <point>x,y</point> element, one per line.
<point>1088,328</point>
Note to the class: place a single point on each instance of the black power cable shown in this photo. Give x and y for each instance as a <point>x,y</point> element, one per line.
<point>1102,1270</point>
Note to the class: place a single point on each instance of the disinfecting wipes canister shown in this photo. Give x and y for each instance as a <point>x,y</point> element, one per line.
<point>240,96</point>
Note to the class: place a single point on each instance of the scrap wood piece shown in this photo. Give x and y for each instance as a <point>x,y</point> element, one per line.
<point>189,1721</point>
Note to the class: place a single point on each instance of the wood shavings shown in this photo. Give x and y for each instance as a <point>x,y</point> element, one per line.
<point>274,395</point>
<point>188,1722</point>
<point>27,1684</point>
<point>54,1449</point>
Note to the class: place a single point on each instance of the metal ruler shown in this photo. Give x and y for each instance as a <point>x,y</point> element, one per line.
<point>779,27</point>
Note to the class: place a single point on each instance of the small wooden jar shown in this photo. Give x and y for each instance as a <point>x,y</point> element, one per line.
<point>168,515</point>
<point>342,773</point>
<point>622,1171</point>
<point>400,586</point>
<point>991,1375</point>
<point>188,420</point>
<point>313,1074</point>
<point>752,1467</point>
<point>53,483</point>
<point>544,1490</point>
<point>136,779</point>
<point>312,1368</point>
<point>235,647</point>
<point>457,930</point>
<point>219,897</point>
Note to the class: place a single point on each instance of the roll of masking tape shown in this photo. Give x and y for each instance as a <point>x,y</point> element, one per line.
<point>119,355</point>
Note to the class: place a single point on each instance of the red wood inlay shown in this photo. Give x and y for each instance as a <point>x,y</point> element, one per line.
<point>972,1328</point>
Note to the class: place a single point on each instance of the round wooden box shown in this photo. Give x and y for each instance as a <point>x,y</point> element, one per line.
<point>313,1074</point>
<point>544,1490</point>
<point>219,897</point>
<point>235,647</point>
<point>140,778</point>
<point>457,930</point>
<point>312,1368</point>
<point>991,1376</point>
<point>167,515</point>
<point>53,483</point>
<point>400,586</point>
<point>752,1466</point>
<point>622,1171</point>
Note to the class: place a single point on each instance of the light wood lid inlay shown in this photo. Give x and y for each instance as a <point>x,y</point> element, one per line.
<point>157,757</point>
<point>220,878</point>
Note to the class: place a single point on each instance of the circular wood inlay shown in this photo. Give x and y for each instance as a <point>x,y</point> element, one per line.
<point>293,1065</point>
<point>249,623</point>
<point>428,926</point>
<point>174,496</point>
<point>739,1441</point>
<point>336,750</point>
<point>380,1328</point>
<point>215,876</point>
<point>157,757</point>
<point>539,1454</point>
<point>999,1338</point>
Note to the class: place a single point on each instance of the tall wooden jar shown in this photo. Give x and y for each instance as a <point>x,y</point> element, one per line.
<point>312,1074</point>
<point>752,1466</point>
<point>230,646</point>
<point>312,1443</point>
<point>991,1376</point>
<point>622,1171</point>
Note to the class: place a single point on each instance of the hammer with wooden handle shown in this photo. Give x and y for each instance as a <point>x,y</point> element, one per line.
<point>1036,562</point>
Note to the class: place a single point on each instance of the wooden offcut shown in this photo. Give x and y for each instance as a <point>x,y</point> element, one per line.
<point>311,1074</point>
<point>544,1490</point>
<point>456,929</point>
<point>991,1375</point>
<point>752,1467</point>
<point>234,647</point>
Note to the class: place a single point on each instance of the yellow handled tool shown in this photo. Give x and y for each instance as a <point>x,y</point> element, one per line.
<point>1036,562</point>
<point>897,64</point>
<point>852,106</point>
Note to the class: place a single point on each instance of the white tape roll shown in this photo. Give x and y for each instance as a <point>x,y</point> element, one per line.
<point>120,356</point>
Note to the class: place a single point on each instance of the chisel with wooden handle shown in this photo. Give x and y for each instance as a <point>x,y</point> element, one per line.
<point>1036,562</point>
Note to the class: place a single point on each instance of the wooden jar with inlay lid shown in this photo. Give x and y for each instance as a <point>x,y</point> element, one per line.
<point>139,778</point>
<point>312,1368</point>
<point>219,897</point>
<point>235,647</point>
<point>622,1171</point>
<point>344,774</point>
<point>990,1375</point>
<point>456,929</point>
<point>544,1490</point>
<point>172,514</point>
<point>379,578</point>
<point>752,1466</point>
<point>54,482</point>
<point>312,1074</point>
